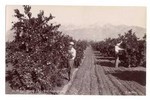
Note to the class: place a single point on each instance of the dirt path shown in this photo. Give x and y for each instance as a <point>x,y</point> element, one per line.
<point>97,76</point>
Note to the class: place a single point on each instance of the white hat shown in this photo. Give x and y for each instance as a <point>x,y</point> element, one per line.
<point>71,43</point>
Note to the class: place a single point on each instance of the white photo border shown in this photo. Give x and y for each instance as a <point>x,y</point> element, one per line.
<point>3,4</point>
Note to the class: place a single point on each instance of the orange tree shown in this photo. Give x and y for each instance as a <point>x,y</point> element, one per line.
<point>80,46</point>
<point>37,54</point>
<point>135,48</point>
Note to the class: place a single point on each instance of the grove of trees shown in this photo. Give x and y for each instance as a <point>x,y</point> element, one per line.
<point>38,53</point>
<point>135,48</point>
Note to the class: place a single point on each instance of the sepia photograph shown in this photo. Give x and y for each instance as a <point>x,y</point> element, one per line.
<point>75,50</point>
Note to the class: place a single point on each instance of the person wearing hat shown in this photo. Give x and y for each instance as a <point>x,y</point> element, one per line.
<point>72,55</point>
<point>117,50</point>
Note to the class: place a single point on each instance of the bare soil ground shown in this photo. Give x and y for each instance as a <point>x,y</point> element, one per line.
<point>98,76</point>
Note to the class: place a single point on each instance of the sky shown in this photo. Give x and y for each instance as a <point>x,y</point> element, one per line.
<point>86,15</point>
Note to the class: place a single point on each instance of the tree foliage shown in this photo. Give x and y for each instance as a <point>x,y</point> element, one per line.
<point>38,52</point>
<point>135,48</point>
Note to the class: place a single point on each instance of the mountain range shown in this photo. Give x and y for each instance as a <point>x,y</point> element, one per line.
<point>93,32</point>
<point>97,33</point>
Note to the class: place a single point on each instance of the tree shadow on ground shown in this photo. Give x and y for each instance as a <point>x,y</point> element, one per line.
<point>105,63</point>
<point>97,53</point>
<point>137,76</point>
<point>105,58</point>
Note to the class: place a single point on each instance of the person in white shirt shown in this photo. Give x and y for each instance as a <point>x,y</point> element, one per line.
<point>117,50</point>
<point>72,55</point>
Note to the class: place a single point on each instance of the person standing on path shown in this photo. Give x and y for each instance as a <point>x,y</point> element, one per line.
<point>118,49</point>
<point>72,55</point>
